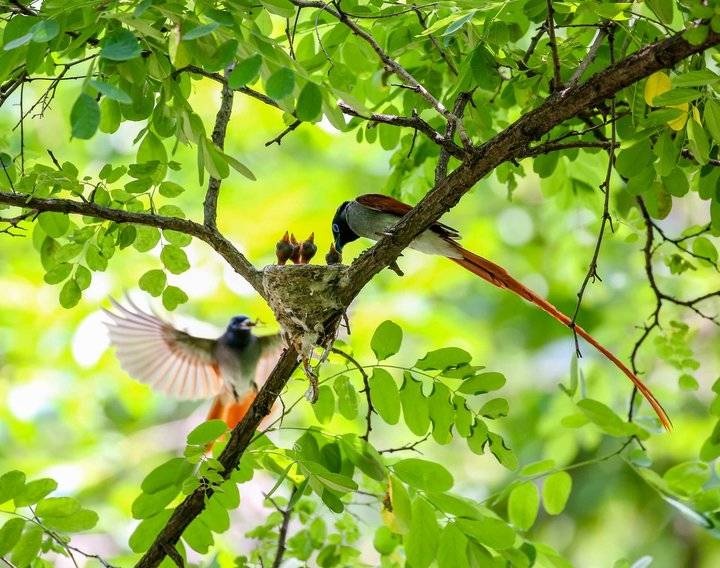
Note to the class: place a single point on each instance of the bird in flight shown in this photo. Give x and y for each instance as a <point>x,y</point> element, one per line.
<point>373,215</point>
<point>229,368</point>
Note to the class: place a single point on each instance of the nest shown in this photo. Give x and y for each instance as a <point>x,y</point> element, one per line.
<point>304,298</point>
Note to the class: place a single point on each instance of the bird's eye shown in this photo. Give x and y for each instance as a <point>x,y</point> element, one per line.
<point>335,228</point>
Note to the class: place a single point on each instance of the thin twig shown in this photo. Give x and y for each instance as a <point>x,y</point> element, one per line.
<point>279,138</point>
<point>218,137</point>
<point>605,188</point>
<point>590,57</point>
<point>412,447</point>
<point>282,535</point>
<point>366,389</point>
<point>552,44</point>
<point>459,109</point>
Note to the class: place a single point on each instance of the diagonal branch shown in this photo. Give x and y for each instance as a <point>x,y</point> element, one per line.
<point>513,141</point>
<point>207,234</point>
<point>240,438</point>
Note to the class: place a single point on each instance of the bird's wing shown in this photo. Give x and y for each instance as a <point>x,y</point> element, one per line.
<point>154,352</point>
<point>391,205</point>
<point>271,347</point>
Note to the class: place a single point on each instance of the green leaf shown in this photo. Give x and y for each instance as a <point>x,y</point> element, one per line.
<point>386,340</point>
<point>111,91</point>
<point>18,42</point>
<point>70,294</point>
<point>57,507</point>
<point>282,8</point>
<point>170,189</point>
<point>712,119</point>
<point>172,472</point>
<point>442,413</point>
<point>148,504</point>
<point>603,417</point>
<point>523,505</point>
<point>501,450</point>
<point>82,520</point>
<point>424,475</point>
<point>172,297</point>
<point>401,505</point>
<point>698,141</point>
<point>484,69</point>
<point>153,282</point>
<point>10,534</point>
<point>239,167</point>
<point>445,358</point>
<point>422,541</point>
<point>120,45</point>
<point>452,548</point>
<point>385,396</point>
<point>146,532</point>
<point>384,541</point>
<point>280,84</point>
<point>147,238</point>
<point>688,478</point>
<point>54,224</point>
<point>415,405</point>
<point>207,432</point>
<point>495,408</point>
<point>27,548</point>
<point>174,259</point>
<point>309,103</point>
<point>85,117</point>
<point>45,30</point>
<point>34,491</point>
<point>663,9</point>
<point>705,248</point>
<point>482,383</point>
<point>245,72</point>
<point>200,31</point>
<point>488,531</point>
<point>324,406</point>
<point>346,397</point>
<point>676,97</point>
<point>555,492</point>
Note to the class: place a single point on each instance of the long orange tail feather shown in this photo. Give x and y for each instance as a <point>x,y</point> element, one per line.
<point>499,277</point>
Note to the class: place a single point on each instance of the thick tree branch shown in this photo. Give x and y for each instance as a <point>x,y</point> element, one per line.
<point>218,137</point>
<point>207,234</point>
<point>240,438</point>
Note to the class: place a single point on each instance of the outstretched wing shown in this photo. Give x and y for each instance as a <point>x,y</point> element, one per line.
<point>154,352</point>
<point>271,347</point>
<point>391,205</point>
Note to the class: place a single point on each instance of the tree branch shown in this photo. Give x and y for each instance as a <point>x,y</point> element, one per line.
<point>411,122</point>
<point>240,438</point>
<point>366,389</point>
<point>282,535</point>
<point>207,234</point>
<point>550,25</point>
<point>218,137</point>
<point>442,165</point>
<point>589,58</point>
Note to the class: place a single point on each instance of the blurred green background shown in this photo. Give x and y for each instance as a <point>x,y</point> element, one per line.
<point>71,413</point>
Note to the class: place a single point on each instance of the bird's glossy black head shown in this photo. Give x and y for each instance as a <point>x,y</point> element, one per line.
<point>342,233</point>
<point>238,333</point>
